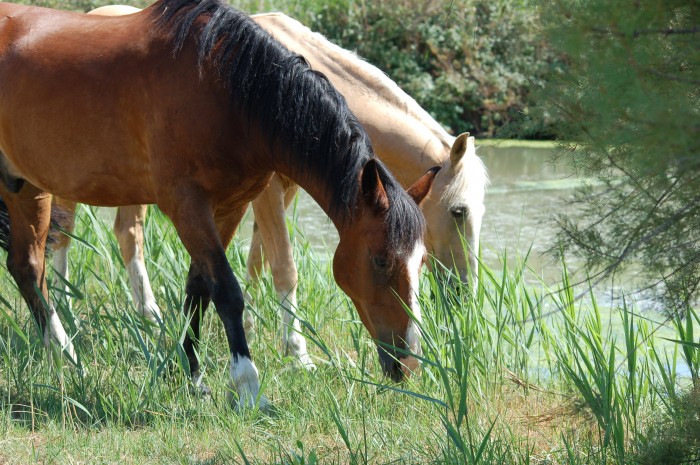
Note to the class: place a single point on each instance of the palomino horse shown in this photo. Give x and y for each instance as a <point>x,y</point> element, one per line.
<point>403,135</point>
<point>190,105</point>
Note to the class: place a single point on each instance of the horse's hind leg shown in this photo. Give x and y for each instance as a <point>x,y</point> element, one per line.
<point>128,227</point>
<point>61,247</point>
<point>269,208</point>
<point>211,275</point>
<point>30,212</point>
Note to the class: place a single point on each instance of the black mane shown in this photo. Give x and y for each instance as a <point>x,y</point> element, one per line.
<point>301,112</point>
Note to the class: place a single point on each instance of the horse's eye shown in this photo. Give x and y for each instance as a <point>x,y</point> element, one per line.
<point>459,213</point>
<point>379,262</point>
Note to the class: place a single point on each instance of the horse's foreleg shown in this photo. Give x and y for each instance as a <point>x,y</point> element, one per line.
<point>61,247</point>
<point>128,227</point>
<point>269,209</point>
<point>211,275</point>
<point>197,301</point>
<point>30,212</point>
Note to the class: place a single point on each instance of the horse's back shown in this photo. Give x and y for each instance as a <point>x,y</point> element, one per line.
<point>67,81</point>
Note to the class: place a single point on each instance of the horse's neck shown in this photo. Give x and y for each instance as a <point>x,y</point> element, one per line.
<point>318,188</point>
<point>403,135</point>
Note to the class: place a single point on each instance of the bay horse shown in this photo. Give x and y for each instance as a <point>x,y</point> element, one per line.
<point>403,135</point>
<point>190,105</point>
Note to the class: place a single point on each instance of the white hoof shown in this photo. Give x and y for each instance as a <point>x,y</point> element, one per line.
<point>151,312</point>
<point>244,387</point>
<point>198,387</point>
<point>244,401</point>
<point>304,362</point>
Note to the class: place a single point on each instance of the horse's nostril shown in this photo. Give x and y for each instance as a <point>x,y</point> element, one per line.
<point>398,369</point>
<point>390,365</point>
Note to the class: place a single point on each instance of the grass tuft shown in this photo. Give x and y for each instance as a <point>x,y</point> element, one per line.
<point>514,372</point>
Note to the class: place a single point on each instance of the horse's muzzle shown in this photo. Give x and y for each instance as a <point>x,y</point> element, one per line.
<point>397,367</point>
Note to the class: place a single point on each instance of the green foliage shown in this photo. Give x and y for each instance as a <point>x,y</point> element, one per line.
<point>469,63</point>
<point>673,439</point>
<point>626,95</point>
<point>133,402</point>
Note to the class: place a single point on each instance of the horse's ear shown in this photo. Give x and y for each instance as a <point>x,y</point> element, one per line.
<point>460,146</point>
<point>372,187</point>
<point>420,188</point>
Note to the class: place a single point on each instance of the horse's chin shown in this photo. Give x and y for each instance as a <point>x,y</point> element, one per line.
<point>397,368</point>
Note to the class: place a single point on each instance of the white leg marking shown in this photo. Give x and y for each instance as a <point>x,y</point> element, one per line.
<point>292,340</point>
<point>246,382</point>
<point>60,265</point>
<point>141,290</point>
<point>413,331</point>
<point>54,332</point>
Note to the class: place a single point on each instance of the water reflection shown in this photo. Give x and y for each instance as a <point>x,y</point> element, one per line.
<point>526,190</point>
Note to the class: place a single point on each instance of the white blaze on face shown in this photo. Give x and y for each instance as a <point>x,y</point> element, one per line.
<point>414,265</point>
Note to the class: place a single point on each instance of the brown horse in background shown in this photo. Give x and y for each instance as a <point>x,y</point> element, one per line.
<point>190,105</point>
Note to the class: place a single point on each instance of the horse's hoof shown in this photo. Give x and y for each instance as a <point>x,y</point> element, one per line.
<point>245,402</point>
<point>83,371</point>
<point>202,391</point>
<point>304,361</point>
<point>198,388</point>
<point>152,315</point>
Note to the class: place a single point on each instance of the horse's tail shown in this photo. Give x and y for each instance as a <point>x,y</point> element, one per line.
<point>60,221</point>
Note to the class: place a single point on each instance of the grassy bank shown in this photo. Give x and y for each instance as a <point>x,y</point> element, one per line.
<point>515,374</point>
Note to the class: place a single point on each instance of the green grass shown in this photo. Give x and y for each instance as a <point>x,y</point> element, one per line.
<point>514,374</point>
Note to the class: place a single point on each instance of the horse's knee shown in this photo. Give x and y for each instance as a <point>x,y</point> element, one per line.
<point>284,275</point>
<point>23,267</point>
<point>197,286</point>
<point>127,243</point>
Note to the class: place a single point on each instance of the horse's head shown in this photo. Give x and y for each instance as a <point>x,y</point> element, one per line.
<point>378,261</point>
<point>454,208</point>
